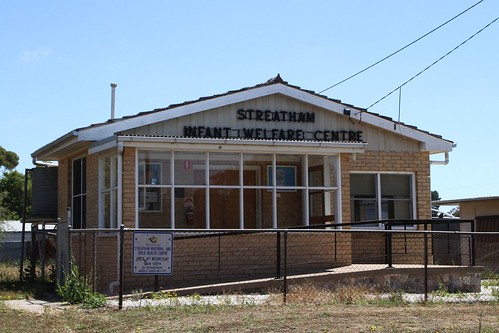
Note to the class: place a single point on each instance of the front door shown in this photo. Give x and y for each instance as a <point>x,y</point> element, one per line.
<point>224,203</point>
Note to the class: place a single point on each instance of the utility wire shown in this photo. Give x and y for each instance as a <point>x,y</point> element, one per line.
<point>436,61</point>
<point>401,49</point>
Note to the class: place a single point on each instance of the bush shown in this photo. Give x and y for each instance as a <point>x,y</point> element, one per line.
<point>77,289</point>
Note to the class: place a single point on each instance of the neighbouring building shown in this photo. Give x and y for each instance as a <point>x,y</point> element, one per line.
<point>269,156</point>
<point>484,211</point>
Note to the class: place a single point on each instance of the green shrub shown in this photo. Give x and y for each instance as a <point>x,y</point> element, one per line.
<point>94,300</point>
<point>77,289</point>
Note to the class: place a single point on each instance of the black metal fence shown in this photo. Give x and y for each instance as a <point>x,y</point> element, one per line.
<point>405,255</point>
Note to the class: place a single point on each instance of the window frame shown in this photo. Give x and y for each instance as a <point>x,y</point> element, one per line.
<point>112,190</point>
<point>331,185</point>
<point>379,200</point>
<point>82,195</point>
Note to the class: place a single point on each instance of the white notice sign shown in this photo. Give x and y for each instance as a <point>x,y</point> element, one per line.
<point>152,253</point>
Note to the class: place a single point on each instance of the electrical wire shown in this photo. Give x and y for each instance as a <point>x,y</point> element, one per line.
<point>434,63</point>
<point>401,49</point>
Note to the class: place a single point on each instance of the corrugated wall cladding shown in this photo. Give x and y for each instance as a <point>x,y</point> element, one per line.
<point>227,117</point>
<point>44,193</point>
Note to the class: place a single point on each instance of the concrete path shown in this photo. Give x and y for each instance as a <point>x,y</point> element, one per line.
<point>34,305</point>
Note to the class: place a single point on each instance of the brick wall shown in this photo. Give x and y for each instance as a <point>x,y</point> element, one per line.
<point>92,191</point>
<point>63,188</point>
<point>415,162</point>
<point>211,259</point>
<point>129,187</point>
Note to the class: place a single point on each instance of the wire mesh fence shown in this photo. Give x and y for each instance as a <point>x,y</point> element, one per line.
<point>404,258</point>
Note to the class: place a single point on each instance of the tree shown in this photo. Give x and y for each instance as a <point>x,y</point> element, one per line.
<point>435,197</point>
<point>8,159</point>
<point>12,195</point>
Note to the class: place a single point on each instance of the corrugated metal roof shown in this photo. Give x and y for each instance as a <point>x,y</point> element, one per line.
<point>275,80</point>
<point>458,201</point>
<point>59,147</point>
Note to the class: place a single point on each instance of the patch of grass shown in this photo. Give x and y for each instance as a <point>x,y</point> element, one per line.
<point>293,317</point>
<point>12,288</point>
<point>342,295</point>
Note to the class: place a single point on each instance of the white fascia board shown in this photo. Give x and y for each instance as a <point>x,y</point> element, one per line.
<point>106,130</point>
<point>103,145</point>
<point>55,146</point>
<point>430,142</point>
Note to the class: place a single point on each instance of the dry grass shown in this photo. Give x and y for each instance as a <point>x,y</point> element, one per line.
<point>308,309</point>
<point>11,288</point>
<point>312,294</point>
<point>293,317</point>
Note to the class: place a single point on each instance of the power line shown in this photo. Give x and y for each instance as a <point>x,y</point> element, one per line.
<point>435,62</point>
<point>401,49</point>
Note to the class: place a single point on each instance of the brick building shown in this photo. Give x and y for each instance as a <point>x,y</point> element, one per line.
<point>269,156</point>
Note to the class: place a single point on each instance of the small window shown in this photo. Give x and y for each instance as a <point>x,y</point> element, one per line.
<point>79,197</point>
<point>108,190</point>
<point>381,196</point>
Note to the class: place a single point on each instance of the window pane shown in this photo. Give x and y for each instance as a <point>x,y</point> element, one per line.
<point>254,166</point>
<point>396,186</point>
<point>224,208</point>
<point>107,207</point>
<point>321,206</point>
<point>156,219</point>
<point>396,209</point>
<point>77,177</point>
<point>114,209</point>
<point>316,170</point>
<point>290,208</point>
<point>396,196</point>
<point>190,168</point>
<point>79,193</point>
<point>83,220</point>
<point>114,171</point>
<point>154,167</point>
<point>363,185</point>
<point>252,208</point>
<point>83,175</point>
<point>107,174</point>
<point>363,202</point>
<point>150,199</point>
<point>190,208</point>
<point>288,170</point>
<point>224,169</point>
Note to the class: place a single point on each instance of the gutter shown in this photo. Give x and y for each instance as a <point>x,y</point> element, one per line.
<point>444,162</point>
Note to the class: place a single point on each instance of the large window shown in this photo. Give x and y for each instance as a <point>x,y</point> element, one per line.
<point>79,195</point>
<point>381,196</point>
<point>108,192</point>
<point>228,190</point>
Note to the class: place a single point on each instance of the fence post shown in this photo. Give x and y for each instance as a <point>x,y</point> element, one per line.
<point>285,278</point>
<point>34,237</point>
<point>472,250</point>
<point>121,268</point>
<point>278,255</point>
<point>388,244</point>
<point>426,264</point>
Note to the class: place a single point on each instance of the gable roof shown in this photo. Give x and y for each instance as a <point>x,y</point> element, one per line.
<point>101,131</point>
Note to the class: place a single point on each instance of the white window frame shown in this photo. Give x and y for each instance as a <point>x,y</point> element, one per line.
<point>379,198</point>
<point>330,160</point>
<point>114,173</point>
<point>80,196</point>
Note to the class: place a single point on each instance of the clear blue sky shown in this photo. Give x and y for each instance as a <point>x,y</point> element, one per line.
<point>58,59</point>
